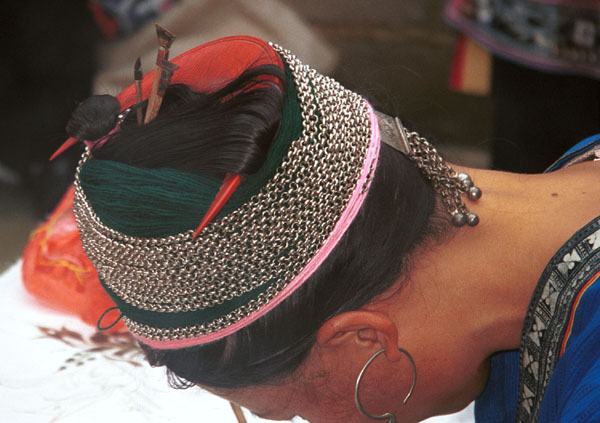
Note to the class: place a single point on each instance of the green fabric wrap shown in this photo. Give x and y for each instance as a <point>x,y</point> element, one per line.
<point>179,319</point>
<point>157,203</point>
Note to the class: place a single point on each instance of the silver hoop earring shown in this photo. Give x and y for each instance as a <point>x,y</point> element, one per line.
<point>389,416</point>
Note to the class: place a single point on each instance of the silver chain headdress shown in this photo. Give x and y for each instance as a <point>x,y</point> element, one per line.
<point>272,237</point>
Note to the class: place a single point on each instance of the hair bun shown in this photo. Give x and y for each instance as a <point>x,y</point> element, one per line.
<point>94,117</point>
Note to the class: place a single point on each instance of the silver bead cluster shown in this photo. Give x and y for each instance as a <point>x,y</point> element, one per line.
<point>272,237</point>
<point>459,218</point>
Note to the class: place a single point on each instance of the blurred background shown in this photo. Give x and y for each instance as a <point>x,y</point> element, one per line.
<point>397,53</point>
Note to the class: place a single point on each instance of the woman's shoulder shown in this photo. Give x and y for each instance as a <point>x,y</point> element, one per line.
<point>573,393</point>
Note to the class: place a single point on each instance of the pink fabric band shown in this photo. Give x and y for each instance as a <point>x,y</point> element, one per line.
<point>348,215</point>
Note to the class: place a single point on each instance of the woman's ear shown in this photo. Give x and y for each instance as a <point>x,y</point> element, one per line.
<point>362,327</point>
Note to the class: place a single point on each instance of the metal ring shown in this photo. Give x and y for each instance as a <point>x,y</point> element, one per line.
<point>389,416</point>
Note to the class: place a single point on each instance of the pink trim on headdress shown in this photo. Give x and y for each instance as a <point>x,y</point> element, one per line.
<point>347,217</point>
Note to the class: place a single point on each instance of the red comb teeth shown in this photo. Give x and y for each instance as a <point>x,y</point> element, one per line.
<point>230,184</point>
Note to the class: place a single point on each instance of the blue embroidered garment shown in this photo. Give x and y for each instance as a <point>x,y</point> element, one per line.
<point>555,376</point>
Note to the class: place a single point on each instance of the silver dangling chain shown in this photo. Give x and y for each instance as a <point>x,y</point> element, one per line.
<point>445,180</point>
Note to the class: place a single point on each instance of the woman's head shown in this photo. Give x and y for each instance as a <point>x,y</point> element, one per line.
<point>368,261</point>
<point>284,127</point>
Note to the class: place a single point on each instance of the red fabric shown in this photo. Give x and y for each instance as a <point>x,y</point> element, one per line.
<point>107,24</point>
<point>458,64</point>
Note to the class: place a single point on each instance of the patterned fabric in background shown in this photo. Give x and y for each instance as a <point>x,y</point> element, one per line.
<point>116,18</point>
<point>554,35</point>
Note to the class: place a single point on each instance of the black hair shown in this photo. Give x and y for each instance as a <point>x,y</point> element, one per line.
<point>229,130</point>
<point>397,215</point>
<point>94,117</point>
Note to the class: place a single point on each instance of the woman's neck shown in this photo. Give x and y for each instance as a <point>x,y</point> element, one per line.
<point>484,277</point>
